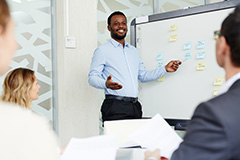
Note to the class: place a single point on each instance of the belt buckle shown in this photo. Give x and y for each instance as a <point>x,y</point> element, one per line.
<point>135,100</point>
<point>129,99</point>
<point>125,99</point>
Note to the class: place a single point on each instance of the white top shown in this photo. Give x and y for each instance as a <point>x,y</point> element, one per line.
<point>25,135</point>
<point>229,83</point>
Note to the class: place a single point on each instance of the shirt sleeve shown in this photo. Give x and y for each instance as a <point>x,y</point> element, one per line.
<point>146,76</point>
<point>95,75</point>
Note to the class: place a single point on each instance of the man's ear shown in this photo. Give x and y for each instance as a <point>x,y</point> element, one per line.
<point>109,28</point>
<point>224,45</point>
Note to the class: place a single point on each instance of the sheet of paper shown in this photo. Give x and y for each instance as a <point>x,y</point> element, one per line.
<point>218,81</point>
<point>173,27</point>
<point>157,134</point>
<point>161,79</point>
<point>216,90</point>
<point>188,55</point>
<point>173,38</point>
<point>160,56</point>
<point>201,66</point>
<point>160,64</point>
<point>201,44</point>
<point>187,45</point>
<point>201,55</point>
<point>100,148</point>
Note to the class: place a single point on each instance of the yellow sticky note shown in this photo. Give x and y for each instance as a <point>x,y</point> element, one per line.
<point>216,90</point>
<point>218,81</point>
<point>173,27</point>
<point>215,37</point>
<point>173,38</point>
<point>161,79</point>
<point>201,66</point>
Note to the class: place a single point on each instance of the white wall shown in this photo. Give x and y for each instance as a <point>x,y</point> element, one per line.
<point>78,104</point>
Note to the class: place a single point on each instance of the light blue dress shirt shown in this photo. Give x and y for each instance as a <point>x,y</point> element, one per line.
<point>125,66</point>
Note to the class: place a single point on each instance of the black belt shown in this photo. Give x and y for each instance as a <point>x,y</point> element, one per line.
<point>126,99</point>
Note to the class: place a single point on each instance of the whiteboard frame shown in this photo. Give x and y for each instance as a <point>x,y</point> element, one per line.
<point>182,13</point>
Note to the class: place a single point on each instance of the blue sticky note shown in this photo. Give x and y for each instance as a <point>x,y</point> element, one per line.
<point>187,45</point>
<point>160,64</point>
<point>160,56</point>
<point>201,55</point>
<point>201,44</point>
<point>188,55</point>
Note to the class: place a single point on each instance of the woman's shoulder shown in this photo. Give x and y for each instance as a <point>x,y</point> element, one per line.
<point>29,130</point>
<point>10,112</point>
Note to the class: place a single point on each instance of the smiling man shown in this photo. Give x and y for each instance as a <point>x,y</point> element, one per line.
<point>116,67</point>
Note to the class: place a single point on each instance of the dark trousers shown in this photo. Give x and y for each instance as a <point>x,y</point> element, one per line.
<point>113,109</point>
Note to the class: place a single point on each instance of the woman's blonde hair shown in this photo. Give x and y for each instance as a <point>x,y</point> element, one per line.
<point>16,87</point>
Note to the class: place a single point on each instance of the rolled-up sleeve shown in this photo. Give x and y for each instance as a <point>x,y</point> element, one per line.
<point>146,76</point>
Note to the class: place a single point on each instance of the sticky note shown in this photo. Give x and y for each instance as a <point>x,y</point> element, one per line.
<point>201,66</point>
<point>160,64</point>
<point>201,55</point>
<point>173,27</point>
<point>188,55</point>
<point>218,81</point>
<point>187,45</point>
<point>173,38</point>
<point>216,90</point>
<point>161,79</point>
<point>160,56</point>
<point>201,44</point>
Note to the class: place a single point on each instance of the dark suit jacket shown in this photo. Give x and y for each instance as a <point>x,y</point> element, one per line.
<point>214,131</point>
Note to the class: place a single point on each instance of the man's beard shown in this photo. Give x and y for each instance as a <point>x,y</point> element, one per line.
<point>116,36</point>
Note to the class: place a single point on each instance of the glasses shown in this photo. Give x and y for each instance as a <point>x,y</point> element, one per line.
<point>217,34</point>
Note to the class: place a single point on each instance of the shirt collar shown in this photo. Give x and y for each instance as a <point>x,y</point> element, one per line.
<point>229,83</point>
<point>116,43</point>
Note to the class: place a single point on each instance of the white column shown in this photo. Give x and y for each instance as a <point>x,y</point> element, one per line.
<point>78,106</point>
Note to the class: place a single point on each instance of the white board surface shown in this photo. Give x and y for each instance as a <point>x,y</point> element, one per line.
<point>179,94</point>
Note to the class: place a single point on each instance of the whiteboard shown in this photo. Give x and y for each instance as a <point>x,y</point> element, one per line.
<point>177,96</point>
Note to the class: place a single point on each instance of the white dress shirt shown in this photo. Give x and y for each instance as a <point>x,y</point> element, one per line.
<point>229,83</point>
<point>125,66</point>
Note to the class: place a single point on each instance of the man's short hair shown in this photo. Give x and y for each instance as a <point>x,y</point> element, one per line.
<point>113,14</point>
<point>230,29</point>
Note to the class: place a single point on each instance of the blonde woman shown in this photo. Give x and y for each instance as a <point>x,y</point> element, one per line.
<point>23,136</point>
<point>20,87</point>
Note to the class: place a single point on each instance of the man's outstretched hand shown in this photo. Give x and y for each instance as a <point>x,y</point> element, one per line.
<point>112,85</point>
<point>172,66</point>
